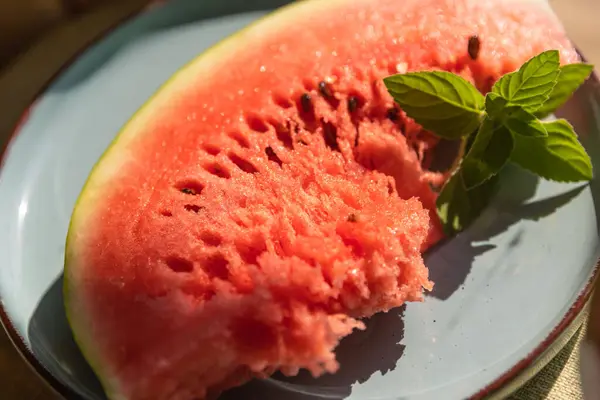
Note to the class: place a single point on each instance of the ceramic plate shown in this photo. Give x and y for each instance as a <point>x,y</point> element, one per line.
<point>506,289</point>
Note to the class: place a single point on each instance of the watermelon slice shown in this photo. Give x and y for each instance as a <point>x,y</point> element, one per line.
<point>271,194</point>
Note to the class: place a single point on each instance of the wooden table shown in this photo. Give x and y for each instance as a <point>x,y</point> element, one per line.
<point>559,380</point>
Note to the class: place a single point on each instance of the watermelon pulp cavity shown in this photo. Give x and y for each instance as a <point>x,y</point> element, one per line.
<point>270,193</point>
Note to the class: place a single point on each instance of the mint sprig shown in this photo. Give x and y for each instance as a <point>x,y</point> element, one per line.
<point>501,127</point>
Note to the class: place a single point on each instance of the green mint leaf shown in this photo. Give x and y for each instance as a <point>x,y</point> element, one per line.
<point>523,123</point>
<point>458,207</point>
<point>439,101</point>
<point>515,118</point>
<point>570,78</point>
<point>558,157</point>
<point>530,86</point>
<point>495,105</point>
<point>489,152</point>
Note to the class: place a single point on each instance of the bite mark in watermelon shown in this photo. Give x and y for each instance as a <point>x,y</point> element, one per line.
<point>271,194</point>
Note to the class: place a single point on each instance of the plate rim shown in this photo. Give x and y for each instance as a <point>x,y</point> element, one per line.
<point>505,384</point>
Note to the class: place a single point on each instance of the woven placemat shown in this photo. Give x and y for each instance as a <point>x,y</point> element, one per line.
<point>559,380</point>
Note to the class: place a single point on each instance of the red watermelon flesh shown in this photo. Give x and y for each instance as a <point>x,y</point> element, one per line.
<point>270,194</point>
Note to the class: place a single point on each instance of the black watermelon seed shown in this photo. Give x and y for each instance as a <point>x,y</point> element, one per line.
<point>193,208</point>
<point>330,136</point>
<point>272,155</point>
<point>352,218</point>
<point>306,102</point>
<point>390,188</point>
<point>302,142</point>
<point>325,90</point>
<point>392,114</point>
<point>352,104</point>
<point>474,47</point>
<point>188,191</point>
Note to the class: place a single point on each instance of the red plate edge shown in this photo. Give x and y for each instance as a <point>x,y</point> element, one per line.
<point>503,386</point>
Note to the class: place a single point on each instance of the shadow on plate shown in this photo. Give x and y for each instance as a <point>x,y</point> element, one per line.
<point>53,345</point>
<point>450,262</point>
<point>377,349</point>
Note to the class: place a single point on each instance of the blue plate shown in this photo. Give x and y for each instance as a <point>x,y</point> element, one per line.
<point>507,289</point>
